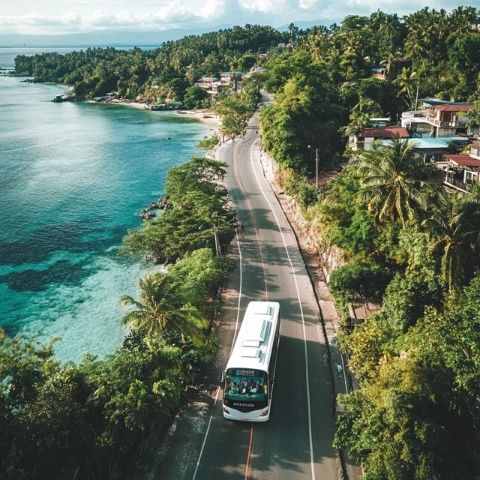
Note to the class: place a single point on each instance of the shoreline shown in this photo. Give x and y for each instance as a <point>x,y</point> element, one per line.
<point>203,115</point>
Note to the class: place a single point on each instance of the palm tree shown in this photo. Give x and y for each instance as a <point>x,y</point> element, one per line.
<point>160,309</point>
<point>394,183</point>
<point>454,228</point>
<point>409,85</point>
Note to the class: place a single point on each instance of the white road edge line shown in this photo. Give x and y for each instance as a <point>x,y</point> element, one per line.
<point>307,377</point>
<point>344,373</point>
<point>257,239</point>
<point>235,335</point>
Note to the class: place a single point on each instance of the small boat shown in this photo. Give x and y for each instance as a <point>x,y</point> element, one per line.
<point>61,98</point>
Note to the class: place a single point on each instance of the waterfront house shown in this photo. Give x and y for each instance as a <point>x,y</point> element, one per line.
<point>214,85</point>
<point>206,82</point>
<point>432,150</point>
<point>228,79</point>
<point>429,149</point>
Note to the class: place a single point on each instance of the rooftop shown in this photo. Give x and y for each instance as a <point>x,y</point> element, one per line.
<point>438,101</point>
<point>457,107</point>
<point>432,143</point>
<point>385,132</point>
<point>463,160</point>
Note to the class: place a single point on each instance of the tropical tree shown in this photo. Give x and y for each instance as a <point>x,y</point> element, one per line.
<point>459,348</point>
<point>160,311</point>
<point>394,182</point>
<point>194,97</point>
<point>361,113</point>
<point>408,84</point>
<point>454,230</point>
<point>197,214</point>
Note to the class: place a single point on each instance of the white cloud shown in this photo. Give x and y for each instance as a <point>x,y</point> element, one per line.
<point>264,6</point>
<point>307,4</point>
<point>164,14</point>
<point>171,14</point>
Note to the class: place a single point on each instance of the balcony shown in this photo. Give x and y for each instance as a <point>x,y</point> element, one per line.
<point>453,181</point>
<point>414,114</point>
<point>452,123</point>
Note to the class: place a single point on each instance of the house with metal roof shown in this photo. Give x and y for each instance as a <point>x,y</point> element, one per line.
<point>463,170</point>
<point>433,149</point>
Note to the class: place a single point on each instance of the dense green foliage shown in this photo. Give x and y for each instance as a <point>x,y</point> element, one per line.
<point>167,72</point>
<point>394,182</point>
<point>208,143</point>
<point>415,415</point>
<point>407,419</point>
<point>88,420</point>
<point>197,213</point>
<point>93,419</point>
<point>195,97</point>
<point>357,279</point>
<point>236,108</point>
<point>324,85</point>
<point>307,111</point>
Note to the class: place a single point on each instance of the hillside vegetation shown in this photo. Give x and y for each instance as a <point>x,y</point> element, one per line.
<point>407,244</point>
<point>166,72</point>
<point>325,88</point>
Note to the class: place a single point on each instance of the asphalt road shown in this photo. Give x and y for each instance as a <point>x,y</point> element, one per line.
<point>296,442</point>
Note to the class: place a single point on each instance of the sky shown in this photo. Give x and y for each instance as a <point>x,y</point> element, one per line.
<point>73,16</point>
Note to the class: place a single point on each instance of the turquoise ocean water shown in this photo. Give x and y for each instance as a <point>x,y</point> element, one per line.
<point>72,179</point>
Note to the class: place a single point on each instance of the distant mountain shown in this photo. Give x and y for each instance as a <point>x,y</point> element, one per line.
<point>101,38</point>
<point>115,38</point>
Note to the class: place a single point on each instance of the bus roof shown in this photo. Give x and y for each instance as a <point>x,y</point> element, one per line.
<point>254,344</point>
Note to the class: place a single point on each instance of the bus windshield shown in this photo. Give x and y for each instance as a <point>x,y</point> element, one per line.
<point>246,384</point>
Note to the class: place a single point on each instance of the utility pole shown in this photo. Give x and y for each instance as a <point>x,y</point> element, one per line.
<point>316,164</point>
<point>218,248</point>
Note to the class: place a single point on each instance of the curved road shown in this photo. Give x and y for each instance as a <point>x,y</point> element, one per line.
<point>296,442</point>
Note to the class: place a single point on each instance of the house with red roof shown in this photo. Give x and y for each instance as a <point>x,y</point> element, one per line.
<point>463,170</point>
<point>438,118</point>
<point>366,137</point>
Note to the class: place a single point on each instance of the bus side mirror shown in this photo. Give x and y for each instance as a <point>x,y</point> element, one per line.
<point>222,380</point>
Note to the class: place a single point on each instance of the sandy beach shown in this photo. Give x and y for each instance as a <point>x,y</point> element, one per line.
<point>127,103</point>
<point>202,115</point>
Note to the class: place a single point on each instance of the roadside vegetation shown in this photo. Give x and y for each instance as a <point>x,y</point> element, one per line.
<point>324,88</point>
<point>197,214</point>
<point>93,419</point>
<point>208,143</point>
<point>415,249</point>
<point>235,109</point>
<point>406,243</point>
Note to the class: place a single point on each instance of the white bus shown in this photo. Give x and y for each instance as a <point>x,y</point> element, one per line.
<point>248,378</point>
